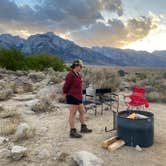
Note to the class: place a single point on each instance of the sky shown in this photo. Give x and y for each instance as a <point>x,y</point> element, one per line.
<point>133,24</point>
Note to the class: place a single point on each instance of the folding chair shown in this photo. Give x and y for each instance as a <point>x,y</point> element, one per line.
<point>108,98</point>
<point>90,101</point>
<point>100,97</point>
<point>137,99</point>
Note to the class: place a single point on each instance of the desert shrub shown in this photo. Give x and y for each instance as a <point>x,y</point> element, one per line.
<point>131,78</point>
<point>100,78</point>
<point>8,126</point>
<point>12,59</point>
<point>141,76</point>
<point>164,75</point>
<point>42,61</point>
<point>57,77</point>
<point>9,119</point>
<point>153,96</point>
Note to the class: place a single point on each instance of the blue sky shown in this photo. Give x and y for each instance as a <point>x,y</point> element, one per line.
<point>29,2</point>
<point>135,24</point>
<point>137,7</point>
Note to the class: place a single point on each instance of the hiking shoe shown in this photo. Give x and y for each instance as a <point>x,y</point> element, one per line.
<point>84,129</point>
<point>74,134</point>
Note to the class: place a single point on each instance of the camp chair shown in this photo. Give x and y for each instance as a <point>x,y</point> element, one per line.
<point>100,97</point>
<point>137,99</point>
<point>108,98</point>
<point>90,101</point>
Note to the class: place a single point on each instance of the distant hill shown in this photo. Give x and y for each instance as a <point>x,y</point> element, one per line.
<point>68,51</point>
<point>127,57</point>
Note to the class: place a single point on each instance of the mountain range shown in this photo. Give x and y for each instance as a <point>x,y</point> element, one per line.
<point>69,51</point>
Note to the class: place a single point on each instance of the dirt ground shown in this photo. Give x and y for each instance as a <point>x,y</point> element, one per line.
<point>52,132</point>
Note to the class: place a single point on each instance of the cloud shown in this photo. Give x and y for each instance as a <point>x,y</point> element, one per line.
<point>81,20</point>
<point>58,16</point>
<point>9,11</point>
<point>115,33</point>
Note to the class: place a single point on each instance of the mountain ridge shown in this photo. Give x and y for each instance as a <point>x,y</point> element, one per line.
<point>68,51</point>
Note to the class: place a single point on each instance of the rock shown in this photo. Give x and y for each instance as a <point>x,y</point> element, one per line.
<point>44,154</point>
<point>23,131</point>
<point>3,140</point>
<point>138,148</point>
<point>18,152</point>
<point>84,158</point>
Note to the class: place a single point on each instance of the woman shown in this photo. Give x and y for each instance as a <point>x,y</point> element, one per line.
<point>73,92</point>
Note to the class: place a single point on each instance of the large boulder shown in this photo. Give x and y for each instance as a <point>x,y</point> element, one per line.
<point>17,152</point>
<point>84,158</point>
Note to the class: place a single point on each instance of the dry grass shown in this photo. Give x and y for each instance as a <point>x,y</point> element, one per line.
<point>101,78</point>
<point>9,119</point>
<point>9,113</point>
<point>152,79</point>
<point>8,126</point>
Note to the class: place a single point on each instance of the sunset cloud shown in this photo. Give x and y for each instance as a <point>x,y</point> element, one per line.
<point>81,21</point>
<point>115,33</point>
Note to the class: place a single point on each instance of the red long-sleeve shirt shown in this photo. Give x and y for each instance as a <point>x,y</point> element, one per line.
<point>73,85</point>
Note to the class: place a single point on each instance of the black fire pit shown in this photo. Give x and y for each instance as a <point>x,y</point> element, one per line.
<point>136,131</point>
